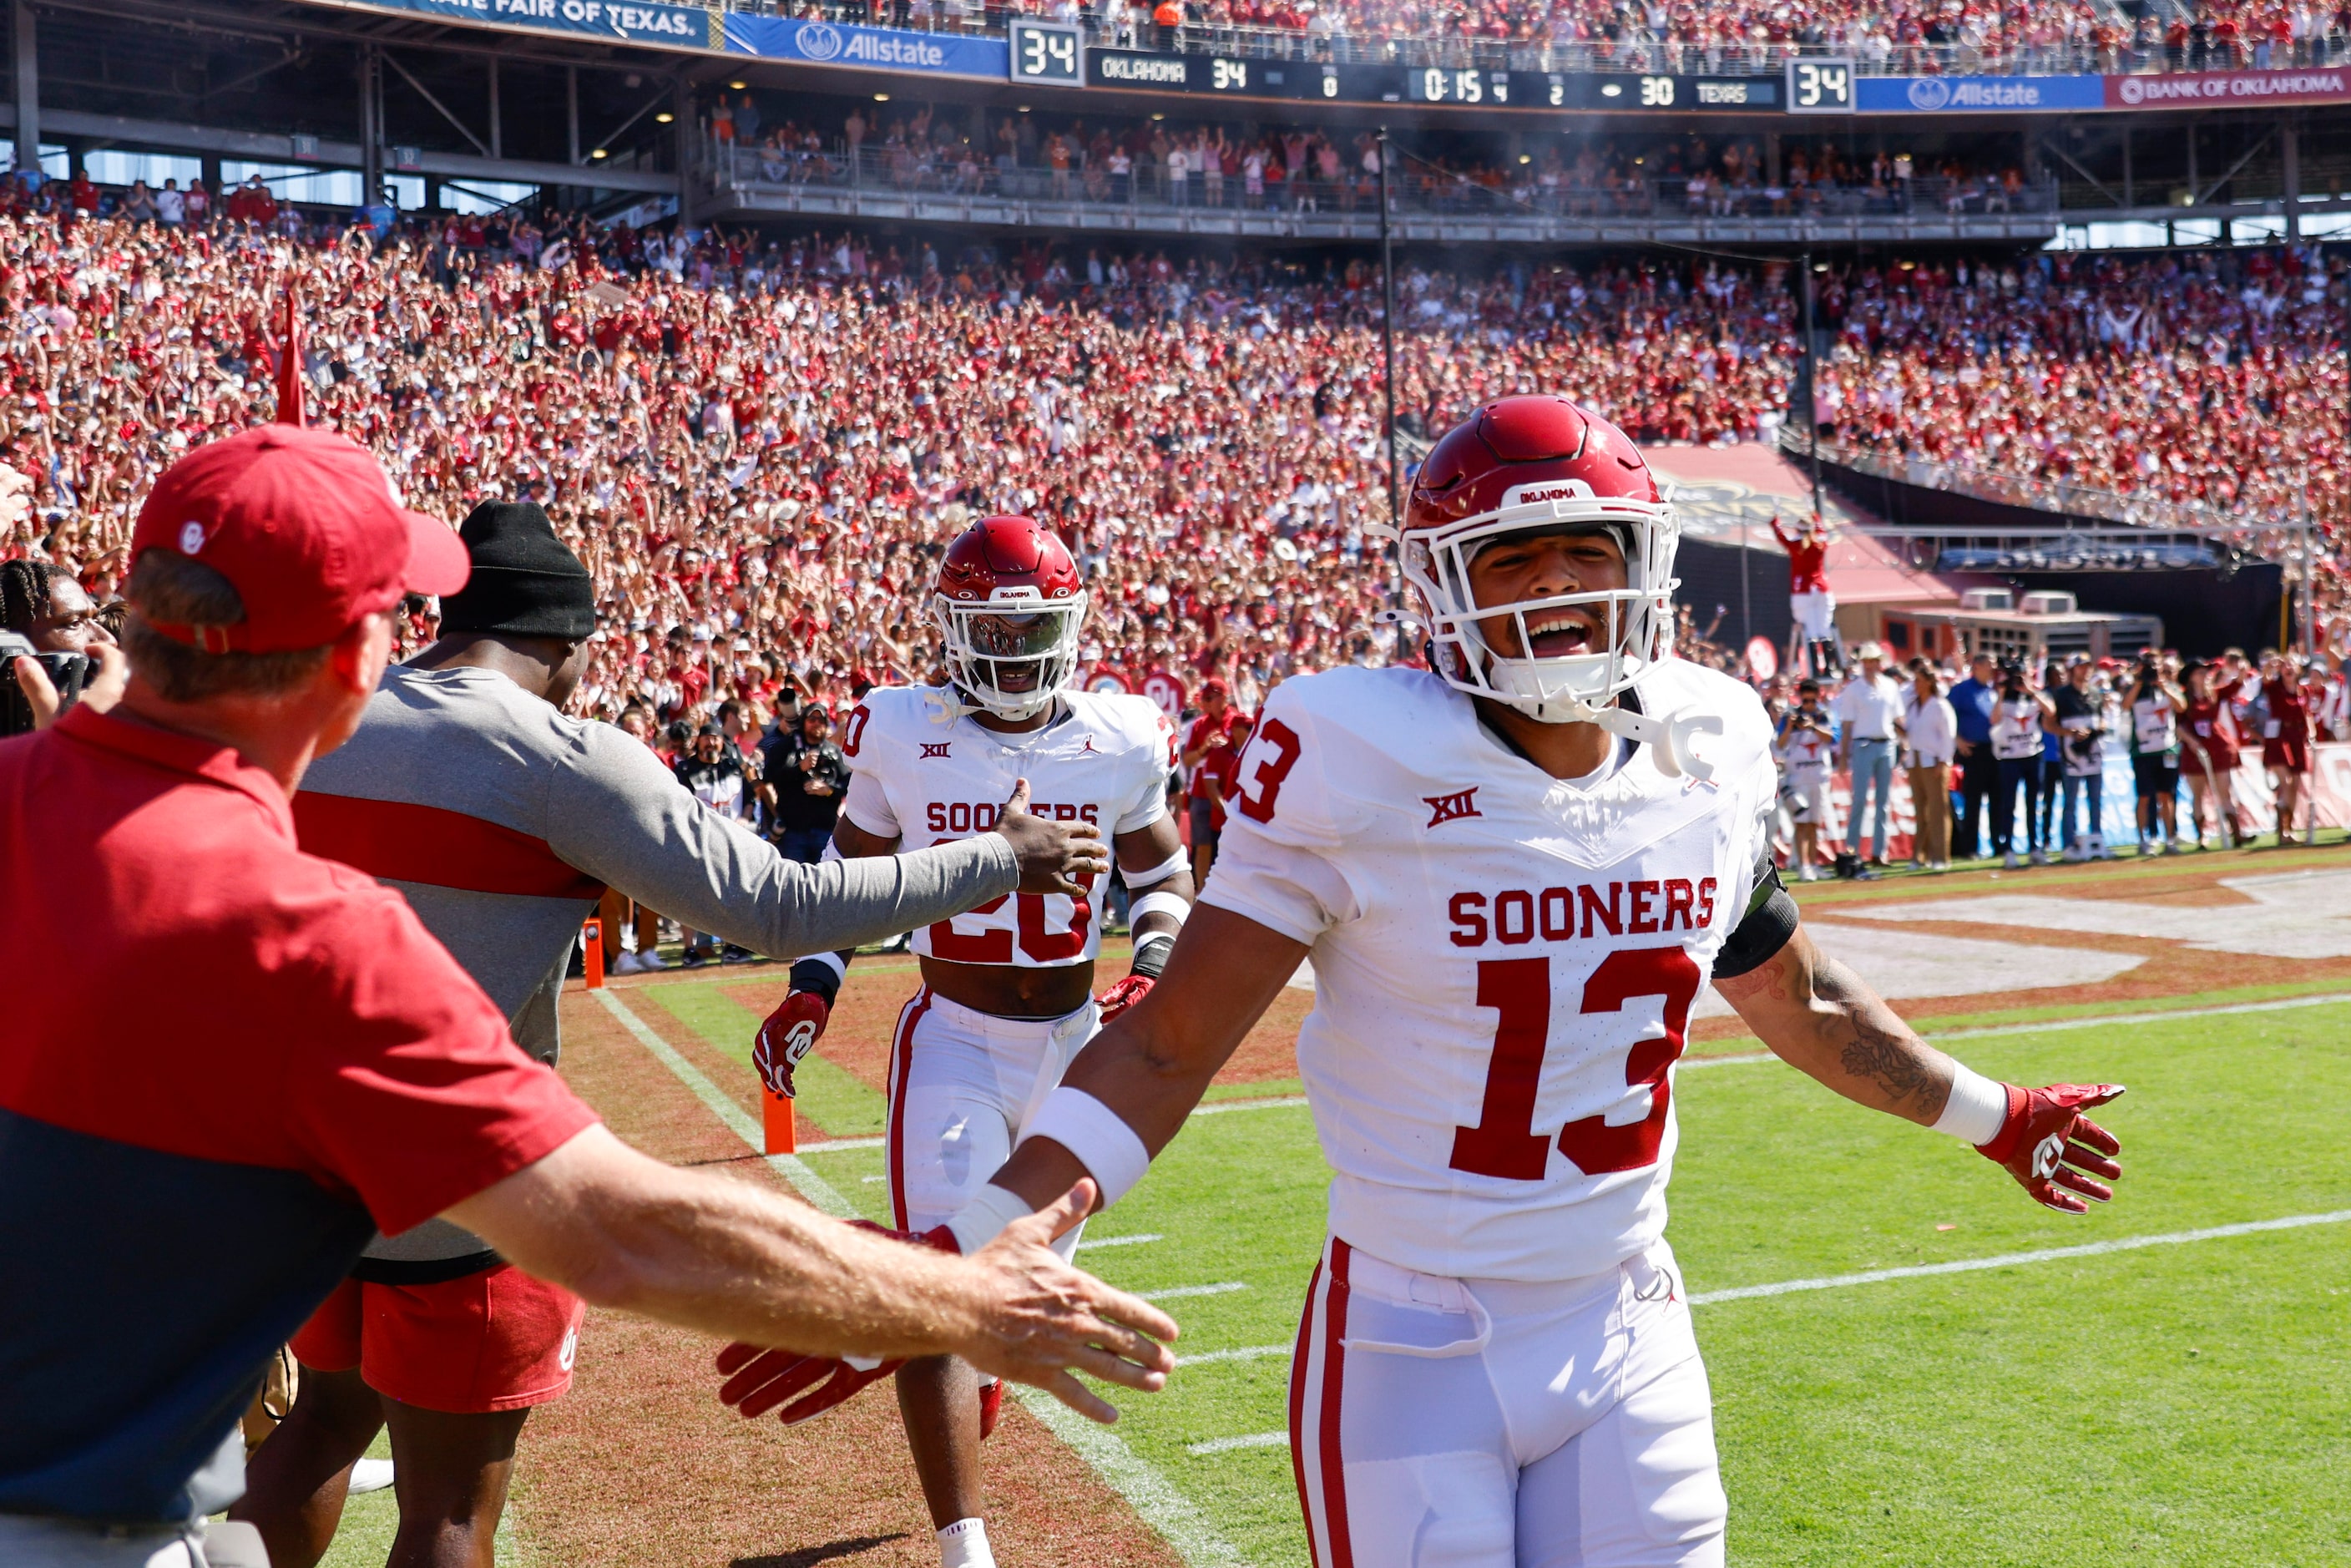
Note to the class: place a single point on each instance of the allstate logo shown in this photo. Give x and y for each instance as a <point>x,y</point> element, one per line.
<point>818,40</point>
<point>1930,92</point>
<point>2133,91</point>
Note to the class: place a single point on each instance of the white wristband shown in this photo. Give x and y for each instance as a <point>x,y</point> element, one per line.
<point>1977,1108</point>
<point>1101,1139</point>
<point>831,961</point>
<point>991,1208</point>
<point>1173,905</point>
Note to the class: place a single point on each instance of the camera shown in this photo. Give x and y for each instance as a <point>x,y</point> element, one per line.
<point>67,672</point>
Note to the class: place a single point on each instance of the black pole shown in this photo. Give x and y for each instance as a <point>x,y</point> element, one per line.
<point>1387,344</point>
<point>1812,388</point>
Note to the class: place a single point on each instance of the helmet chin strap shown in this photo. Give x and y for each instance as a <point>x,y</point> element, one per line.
<point>1668,736</point>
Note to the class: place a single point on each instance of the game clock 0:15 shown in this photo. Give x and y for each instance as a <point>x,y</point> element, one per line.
<point>1047,54</point>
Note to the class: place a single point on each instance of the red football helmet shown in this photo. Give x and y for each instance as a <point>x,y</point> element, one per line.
<point>1009,605</point>
<point>1539,465</point>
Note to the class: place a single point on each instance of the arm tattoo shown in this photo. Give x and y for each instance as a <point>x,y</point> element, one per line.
<point>1886,1055</point>
<point>1877,1054</point>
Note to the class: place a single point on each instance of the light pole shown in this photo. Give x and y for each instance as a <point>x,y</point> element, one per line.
<point>1812,390</point>
<point>1388,340</point>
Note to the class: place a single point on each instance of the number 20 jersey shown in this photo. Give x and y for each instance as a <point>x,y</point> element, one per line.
<point>923,777</point>
<point>1504,962</point>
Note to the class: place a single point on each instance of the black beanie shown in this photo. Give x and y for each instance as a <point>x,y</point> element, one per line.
<point>526,582</point>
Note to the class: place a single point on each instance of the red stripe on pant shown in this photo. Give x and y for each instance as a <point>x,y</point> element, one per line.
<point>1330,1466</point>
<point>901,1055</point>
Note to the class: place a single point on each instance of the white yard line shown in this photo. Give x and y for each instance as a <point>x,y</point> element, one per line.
<point>2010,1260</point>
<point>1226,1444</point>
<point>1222,1107</point>
<point>791,1167</point>
<point>1180,1291</point>
<point>1246,1352</point>
<point>1159,1505</point>
<point>2283,1003</point>
<point>1137,1239</point>
<point>839,1146</point>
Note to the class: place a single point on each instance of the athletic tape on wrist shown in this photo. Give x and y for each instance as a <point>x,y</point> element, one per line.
<point>1977,1109</point>
<point>831,961</point>
<point>991,1208</point>
<point>1151,955</point>
<point>1173,905</point>
<point>1136,881</point>
<point>1101,1139</point>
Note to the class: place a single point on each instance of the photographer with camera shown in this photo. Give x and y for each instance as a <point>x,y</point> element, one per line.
<point>2081,709</point>
<point>1807,742</point>
<point>2156,704</point>
<point>55,644</point>
<point>2017,719</point>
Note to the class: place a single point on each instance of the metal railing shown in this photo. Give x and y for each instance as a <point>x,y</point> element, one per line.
<point>944,172</point>
<point>2232,523</point>
<point>1635,50</point>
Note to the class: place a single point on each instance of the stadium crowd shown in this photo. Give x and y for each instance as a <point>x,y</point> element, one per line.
<point>759,445</point>
<point>758,451</point>
<point>2214,378</point>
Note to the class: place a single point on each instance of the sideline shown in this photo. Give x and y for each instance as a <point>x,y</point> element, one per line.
<point>1158,1504</point>
<point>812,1187</point>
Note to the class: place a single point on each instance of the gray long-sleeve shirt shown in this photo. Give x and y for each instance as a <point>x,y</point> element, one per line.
<point>502,822</point>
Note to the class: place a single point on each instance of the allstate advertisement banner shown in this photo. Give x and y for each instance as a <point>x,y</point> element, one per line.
<point>1976,95</point>
<point>680,26</point>
<point>2208,88</point>
<point>872,49</point>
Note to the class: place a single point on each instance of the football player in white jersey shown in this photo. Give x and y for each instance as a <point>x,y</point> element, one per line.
<point>1514,873</point>
<point>1007,999</point>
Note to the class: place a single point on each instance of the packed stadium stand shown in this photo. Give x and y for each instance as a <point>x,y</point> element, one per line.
<point>668,293</point>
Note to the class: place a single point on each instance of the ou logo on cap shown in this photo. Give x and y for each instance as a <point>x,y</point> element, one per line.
<point>191,538</point>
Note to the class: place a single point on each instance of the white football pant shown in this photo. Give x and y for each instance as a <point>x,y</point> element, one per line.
<point>1441,1423</point>
<point>962,1085</point>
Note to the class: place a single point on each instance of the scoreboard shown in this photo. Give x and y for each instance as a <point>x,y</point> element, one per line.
<point>1238,76</point>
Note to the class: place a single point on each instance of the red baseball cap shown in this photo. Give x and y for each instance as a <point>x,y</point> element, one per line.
<point>307,529</point>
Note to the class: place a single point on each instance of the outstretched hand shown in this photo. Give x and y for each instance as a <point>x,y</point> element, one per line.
<point>1055,857</point>
<point>1036,1320</point>
<point>1047,1319</point>
<point>2053,1150</point>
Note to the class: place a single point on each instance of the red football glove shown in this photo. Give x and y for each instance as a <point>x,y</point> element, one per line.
<point>789,1033</point>
<point>2047,1144</point>
<point>760,1379</point>
<point>1125,995</point>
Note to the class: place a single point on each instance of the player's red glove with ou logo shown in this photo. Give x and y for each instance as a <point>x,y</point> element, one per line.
<point>789,1033</point>
<point>1124,995</point>
<point>758,1379</point>
<point>2047,1145</point>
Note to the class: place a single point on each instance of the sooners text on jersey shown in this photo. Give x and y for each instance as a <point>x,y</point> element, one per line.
<point>925,779</point>
<point>1504,962</point>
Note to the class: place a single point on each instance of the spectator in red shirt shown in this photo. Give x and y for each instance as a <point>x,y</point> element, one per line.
<point>260,1058</point>
<point>1207,732</point>
<point>1219,782</point>
<point>1808,598</point>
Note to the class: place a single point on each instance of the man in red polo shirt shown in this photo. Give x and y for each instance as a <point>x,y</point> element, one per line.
<point>253,1058</point>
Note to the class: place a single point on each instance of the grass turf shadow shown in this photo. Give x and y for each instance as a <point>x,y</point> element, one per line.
<point>809,1556</point>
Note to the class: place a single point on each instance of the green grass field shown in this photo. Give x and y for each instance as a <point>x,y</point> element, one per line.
<point>2178,1403</point>
<point>2173,1404</point>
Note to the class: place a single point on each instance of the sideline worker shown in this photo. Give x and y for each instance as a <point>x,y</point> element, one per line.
<point>253,1060</point>
<point>502,821</point>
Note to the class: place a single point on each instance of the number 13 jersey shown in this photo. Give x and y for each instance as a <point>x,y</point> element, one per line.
<point>923,777</point>
<point>1504,962</point>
